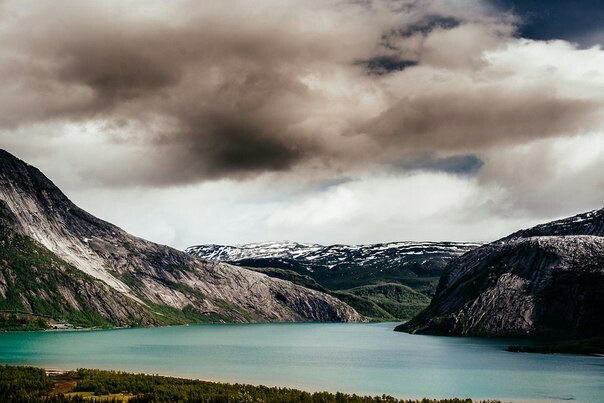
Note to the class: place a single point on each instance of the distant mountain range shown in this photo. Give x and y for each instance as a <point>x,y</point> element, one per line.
<point>385,281</point>
<point>544,281</point>
<point>60,263</point>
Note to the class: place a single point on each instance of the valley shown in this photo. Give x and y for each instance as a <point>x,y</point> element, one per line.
<point>386,281</point>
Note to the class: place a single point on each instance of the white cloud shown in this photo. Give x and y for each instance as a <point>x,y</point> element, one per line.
<point>531,110</point>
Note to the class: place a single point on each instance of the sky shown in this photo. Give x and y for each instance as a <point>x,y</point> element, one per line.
<point>331,121</point>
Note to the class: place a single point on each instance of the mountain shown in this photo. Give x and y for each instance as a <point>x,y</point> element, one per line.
<point>345,266</point>
<point>385,281</point>
<point>544,281</point>
<point>58,261</point>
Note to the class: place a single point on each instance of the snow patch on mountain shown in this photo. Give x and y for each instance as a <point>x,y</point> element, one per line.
<point>332,255</point>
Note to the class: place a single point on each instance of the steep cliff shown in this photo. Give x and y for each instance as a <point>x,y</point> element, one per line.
<point>547,281</point>
<point>158,282</point>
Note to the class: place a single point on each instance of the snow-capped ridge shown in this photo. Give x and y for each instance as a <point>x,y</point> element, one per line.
<point>297,250</point>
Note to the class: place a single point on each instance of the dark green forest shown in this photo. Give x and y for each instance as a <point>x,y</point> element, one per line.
<point>26,384</point>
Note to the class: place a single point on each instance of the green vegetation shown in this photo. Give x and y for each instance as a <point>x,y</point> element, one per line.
<point>385,301</point>
<point>24,384</point>
<point>593,346</point>
<point>33,282</point>
<point>364,306</point>
<point>339,281</point>
<point>361,304</point>
<point>38,289</point>
<point>382,289</point>
<point>34,277</point>
<point>291,276</point>
<point>128,279</point>
<point>172,316</point>
<point>397,300</point>
<point>379,300</point>
<point>16,320</point>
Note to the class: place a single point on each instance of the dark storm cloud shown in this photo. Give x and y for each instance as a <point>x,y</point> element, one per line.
<point>211,95</point>
<point>478,119</point>
<point>117,71</point>
<point>235,143</point>
<point>207,91</point>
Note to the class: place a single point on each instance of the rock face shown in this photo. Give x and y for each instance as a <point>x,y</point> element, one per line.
<point>155,280</point>
<point>543,281</point>
<point>35,280</point>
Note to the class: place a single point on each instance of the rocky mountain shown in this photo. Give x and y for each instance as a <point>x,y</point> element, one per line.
<point>314,255</point>
<point>385,281</point>
<point>544,281</point>
<point>590,223</point>
<point>58,260</point>
<point>342,266</point>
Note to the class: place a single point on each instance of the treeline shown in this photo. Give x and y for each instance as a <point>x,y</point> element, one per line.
<point>10,321</point>
<point>24,384</point>
<point>152,388</point>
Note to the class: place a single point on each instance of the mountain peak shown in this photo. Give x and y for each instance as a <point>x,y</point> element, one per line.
<point>18,176</point>
<point>588,223</point>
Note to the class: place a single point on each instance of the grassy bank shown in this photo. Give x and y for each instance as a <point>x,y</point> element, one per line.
<point>26,384</point>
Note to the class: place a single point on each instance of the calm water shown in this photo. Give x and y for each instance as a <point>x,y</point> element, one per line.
<point>361,358</point>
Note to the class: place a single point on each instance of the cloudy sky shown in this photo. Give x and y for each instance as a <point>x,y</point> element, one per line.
<point>339,121</point>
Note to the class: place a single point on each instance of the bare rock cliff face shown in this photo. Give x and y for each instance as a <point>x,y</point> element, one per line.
<point>546,281</point>
<point>35,280</point>
<point>149,275</point>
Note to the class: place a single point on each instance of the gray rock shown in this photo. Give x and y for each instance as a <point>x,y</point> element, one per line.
<point>147,274</point>
<point>546,281</point>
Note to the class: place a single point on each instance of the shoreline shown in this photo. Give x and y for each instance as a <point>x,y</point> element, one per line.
<point>53,371</point>
<point>59,372</point>
<point>196,324</point>
<point>42,383</point>
<point>538,348</point>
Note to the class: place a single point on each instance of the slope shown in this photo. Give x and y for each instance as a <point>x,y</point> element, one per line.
<point>153,278</point>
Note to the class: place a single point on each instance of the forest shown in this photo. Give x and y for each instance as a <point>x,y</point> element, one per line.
<point>27,384</point>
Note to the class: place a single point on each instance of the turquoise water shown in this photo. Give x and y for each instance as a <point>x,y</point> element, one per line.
<point>359,358</point>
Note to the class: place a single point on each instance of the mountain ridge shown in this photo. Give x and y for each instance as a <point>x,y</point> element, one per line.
<point>385,281</point>
<point>275,249</point>
<point>160,279</point>
<point>588,223</point>
<point>543,281</point>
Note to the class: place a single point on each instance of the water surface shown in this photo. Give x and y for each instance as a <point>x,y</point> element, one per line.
<point>354,358</point>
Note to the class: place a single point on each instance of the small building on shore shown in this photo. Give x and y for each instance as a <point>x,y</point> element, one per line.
<point>62,326</point>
